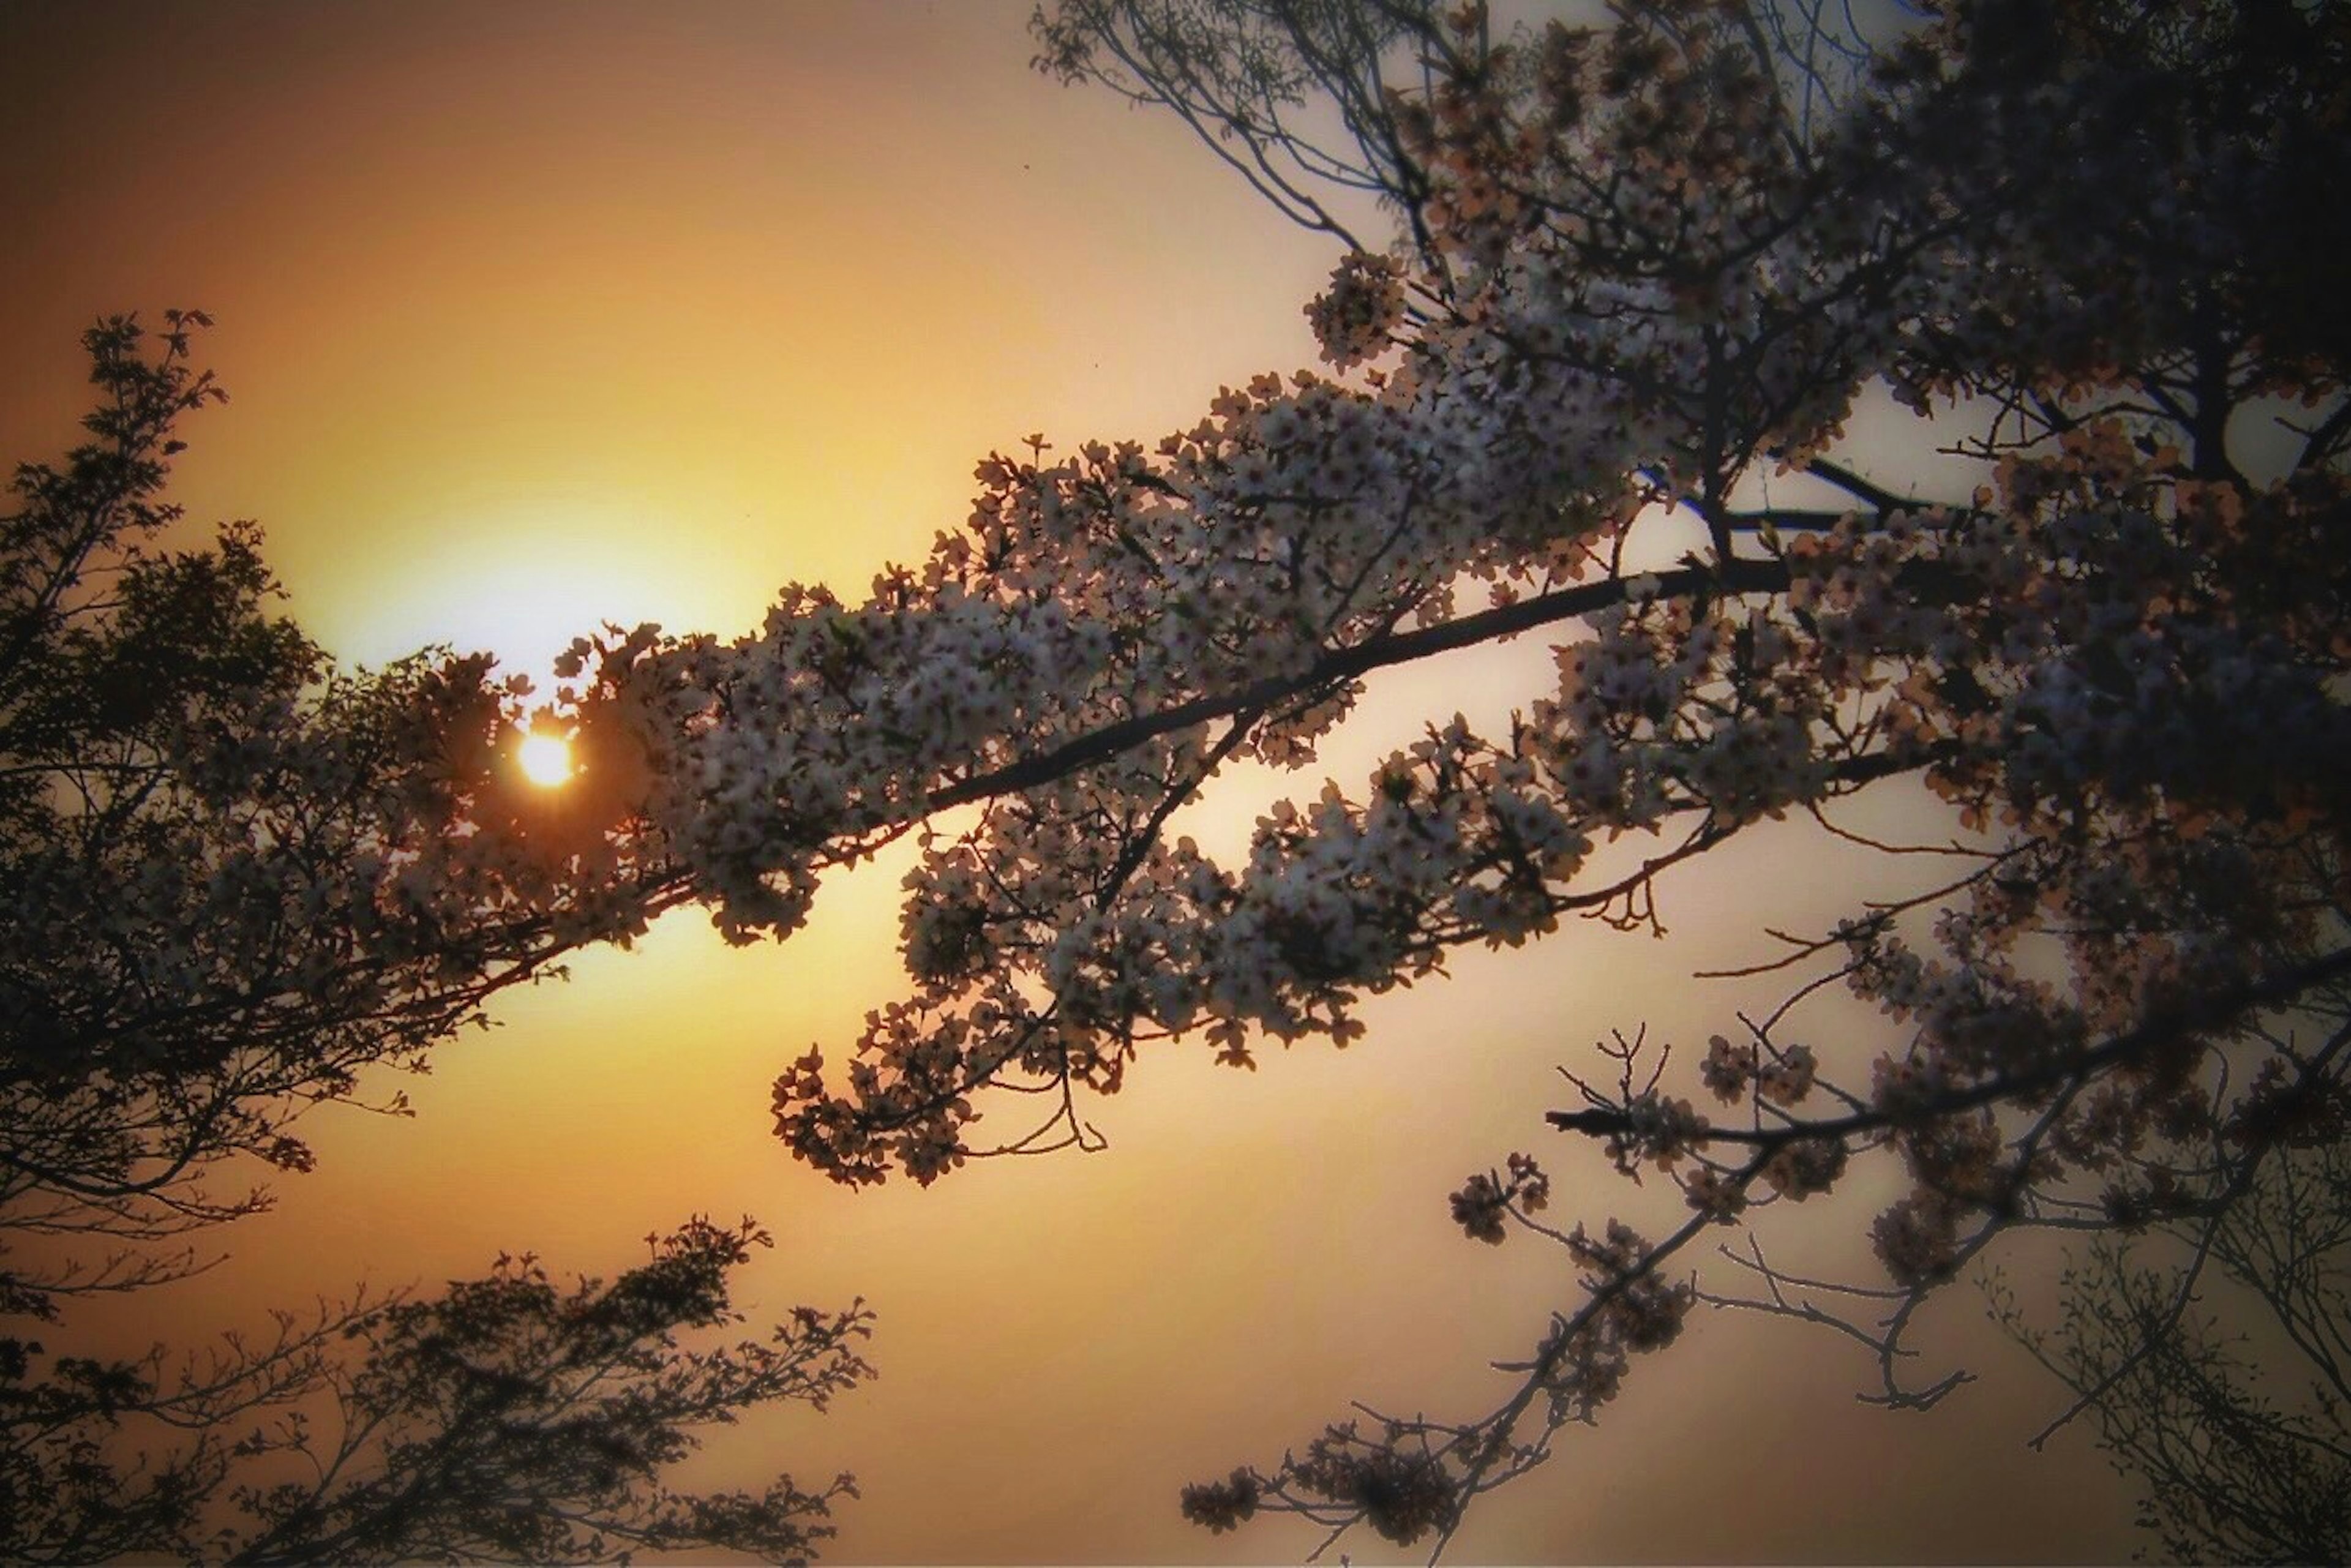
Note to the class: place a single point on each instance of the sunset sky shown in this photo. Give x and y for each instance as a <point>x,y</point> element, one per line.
<point>536,316</point>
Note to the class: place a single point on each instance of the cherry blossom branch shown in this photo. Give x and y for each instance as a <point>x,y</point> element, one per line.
<point>2189,1018</point>
<point>1738,576</point>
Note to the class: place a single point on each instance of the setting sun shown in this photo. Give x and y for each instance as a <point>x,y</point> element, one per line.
<point>546,760</point>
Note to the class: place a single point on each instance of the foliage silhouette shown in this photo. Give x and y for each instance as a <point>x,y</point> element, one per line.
<point>508,1421</point>
<point>233,886</point>
<point>2240,1442</point>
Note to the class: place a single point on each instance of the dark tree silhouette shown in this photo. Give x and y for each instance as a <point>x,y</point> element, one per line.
<point>2214,1358</point>
<point>508,1420</point>
<point>232,880</point>
<point>234,885</point>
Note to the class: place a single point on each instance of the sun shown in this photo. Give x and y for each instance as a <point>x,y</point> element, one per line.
<point>546,760</point>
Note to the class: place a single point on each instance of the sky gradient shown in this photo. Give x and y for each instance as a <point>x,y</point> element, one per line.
<point>537,316</point>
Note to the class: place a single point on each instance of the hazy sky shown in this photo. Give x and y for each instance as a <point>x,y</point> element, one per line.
<point>539,315</point>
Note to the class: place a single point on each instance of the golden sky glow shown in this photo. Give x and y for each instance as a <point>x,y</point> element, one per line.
<point>537,316</point>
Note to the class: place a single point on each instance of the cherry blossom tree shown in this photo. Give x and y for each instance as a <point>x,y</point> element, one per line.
<point>1639,274</point>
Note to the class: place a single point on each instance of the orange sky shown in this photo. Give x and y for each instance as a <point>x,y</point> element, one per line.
<point>536,315</point>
